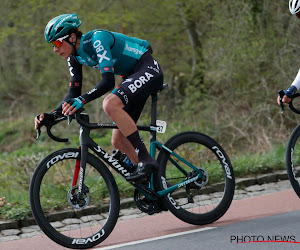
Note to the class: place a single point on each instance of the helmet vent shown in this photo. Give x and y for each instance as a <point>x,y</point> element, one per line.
<point>49,31</point>
<point>59,30</point>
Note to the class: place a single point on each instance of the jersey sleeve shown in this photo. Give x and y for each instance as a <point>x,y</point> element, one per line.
<point>102,43</point>
<point>296,82</point>
<point>75,83</point>
<point>75,69</point>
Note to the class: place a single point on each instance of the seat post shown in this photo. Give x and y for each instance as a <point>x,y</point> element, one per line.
<point>153,116</point>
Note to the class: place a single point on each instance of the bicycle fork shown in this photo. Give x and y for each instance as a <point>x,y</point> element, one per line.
<point>76,174</point>
<point>79,168</point>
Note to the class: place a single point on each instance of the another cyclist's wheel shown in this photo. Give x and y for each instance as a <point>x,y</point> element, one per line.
<point>203,200</point>
<point>293,159</point>
<point>65,218</point>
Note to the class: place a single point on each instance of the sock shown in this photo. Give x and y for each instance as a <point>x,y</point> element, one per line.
<point>139,147</point>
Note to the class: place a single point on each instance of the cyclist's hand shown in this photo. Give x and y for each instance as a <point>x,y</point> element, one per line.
<point>285,100</point>
<point>287,94</point>
<point>71,105</point>
<point>38,120</point>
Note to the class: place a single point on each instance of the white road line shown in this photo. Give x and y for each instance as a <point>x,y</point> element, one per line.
<point>156,238</point>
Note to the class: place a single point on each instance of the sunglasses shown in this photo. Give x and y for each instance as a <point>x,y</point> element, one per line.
<point>58,42</point>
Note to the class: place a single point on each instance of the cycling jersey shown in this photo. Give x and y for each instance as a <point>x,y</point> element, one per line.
<point>110,51</point>
<point>116,54</point>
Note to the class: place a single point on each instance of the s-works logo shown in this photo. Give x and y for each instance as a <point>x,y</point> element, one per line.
<point>239,239</point>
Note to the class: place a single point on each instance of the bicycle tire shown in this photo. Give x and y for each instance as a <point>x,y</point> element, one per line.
<point>74,227</point>
<point>292,158</point>
<point>209,202</point>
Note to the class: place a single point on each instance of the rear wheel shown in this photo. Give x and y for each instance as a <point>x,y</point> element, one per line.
<point>203,200</point>
<point>67,220</point>
<point>293,159</point>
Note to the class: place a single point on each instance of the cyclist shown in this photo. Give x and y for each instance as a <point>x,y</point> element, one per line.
<point>294,6</point>
<point>113,54</point>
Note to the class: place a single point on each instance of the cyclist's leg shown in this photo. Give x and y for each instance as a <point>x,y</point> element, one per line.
<point>119,141</point>
<point>133,93</point>
<point>113,106</point>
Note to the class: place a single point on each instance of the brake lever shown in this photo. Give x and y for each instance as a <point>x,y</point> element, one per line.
<point>38,132</point>
<point>281,95</point>
<point>70,118</point>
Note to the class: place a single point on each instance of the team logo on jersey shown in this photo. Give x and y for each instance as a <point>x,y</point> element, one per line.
<point>70,66</point>
<point>101,52</point>
<point>140,82</point>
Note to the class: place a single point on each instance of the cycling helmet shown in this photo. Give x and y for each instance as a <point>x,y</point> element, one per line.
<point>59,26</point>
<point>294,6</point>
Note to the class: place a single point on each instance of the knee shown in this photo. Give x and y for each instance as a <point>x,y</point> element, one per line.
<point>111,104</point>
<point>108,105</point>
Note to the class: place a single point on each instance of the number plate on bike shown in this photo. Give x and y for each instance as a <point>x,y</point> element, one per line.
<point>161,126</point>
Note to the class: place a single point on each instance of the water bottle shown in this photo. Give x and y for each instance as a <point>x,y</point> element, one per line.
<point>124,160</point>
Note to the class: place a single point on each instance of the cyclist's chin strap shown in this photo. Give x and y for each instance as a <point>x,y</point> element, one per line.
<point>73,45</point>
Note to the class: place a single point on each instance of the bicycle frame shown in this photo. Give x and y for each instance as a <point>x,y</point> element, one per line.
<point>87,143</point>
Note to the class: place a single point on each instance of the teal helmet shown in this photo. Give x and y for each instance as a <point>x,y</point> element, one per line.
<point>59,26</point>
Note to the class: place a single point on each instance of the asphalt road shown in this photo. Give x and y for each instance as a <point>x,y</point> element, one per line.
<point>277,228</point>
<point>269,215</point>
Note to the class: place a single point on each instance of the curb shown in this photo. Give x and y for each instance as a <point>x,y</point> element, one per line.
<point>129,202</point>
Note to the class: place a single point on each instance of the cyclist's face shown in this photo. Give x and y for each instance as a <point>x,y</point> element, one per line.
<point>65,50</point>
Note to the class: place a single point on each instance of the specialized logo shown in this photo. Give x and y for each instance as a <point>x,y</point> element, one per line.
<point>127,80</point>
<point>157,69</point>
<point>112,161</point>
<point>171,199</point>
<point>140,82</point>
<point>187,182</point>
<point>225,164</point>
<point>94,238</point>
<point>99,48</point>
<point>61,157</point>
<point>64,19</point>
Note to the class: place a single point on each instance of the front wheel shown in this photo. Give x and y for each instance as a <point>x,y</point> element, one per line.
<point>293,159</point>
<point>67,220</point>
<point>203,200</point>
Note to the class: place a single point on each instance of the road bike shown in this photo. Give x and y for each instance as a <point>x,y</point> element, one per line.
<point>292,157</point>
<point>75,200</point>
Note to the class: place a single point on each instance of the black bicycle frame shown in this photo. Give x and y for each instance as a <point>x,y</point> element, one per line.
<point>86,142</point>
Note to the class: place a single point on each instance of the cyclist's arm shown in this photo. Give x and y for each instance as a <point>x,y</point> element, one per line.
<point>296,82</point>
<point>106,84</point>
<point>102,43</point>
<point>75,81</point>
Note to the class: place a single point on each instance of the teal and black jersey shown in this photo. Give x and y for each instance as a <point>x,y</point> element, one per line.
<point>116,54</point>
<point>110,51</point>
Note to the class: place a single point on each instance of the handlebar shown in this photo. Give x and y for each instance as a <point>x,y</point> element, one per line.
<point>291,106</point>
<point>83,120</point>
<point>49,125</point>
